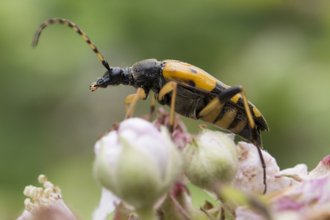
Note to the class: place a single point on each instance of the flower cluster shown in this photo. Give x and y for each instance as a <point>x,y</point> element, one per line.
<point>143,171</point>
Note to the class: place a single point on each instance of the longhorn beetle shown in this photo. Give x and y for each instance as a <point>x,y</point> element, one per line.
<point>187,89</point>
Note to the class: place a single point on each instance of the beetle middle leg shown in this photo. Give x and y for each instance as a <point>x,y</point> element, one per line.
<point>152,107</point>
<point>133,98</point>
<point>230,94</point>
<point>170,87</point>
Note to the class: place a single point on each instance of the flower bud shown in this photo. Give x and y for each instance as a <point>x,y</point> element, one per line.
<point>137,162</point>
<point>210,159</point>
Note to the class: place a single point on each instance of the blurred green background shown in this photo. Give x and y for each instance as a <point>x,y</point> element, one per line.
<point>278,50</point>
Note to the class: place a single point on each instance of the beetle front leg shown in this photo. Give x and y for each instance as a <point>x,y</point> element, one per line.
<point>167,88</point>
<point>133,98</point>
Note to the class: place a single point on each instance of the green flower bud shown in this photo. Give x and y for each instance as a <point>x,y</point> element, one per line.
<point>210,159</point>
<point>137,162</point>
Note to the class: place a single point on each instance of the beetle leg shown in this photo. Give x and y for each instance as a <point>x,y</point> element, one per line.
<point>152,106</point>
<point>129,99</point>
<point>232,94</point>
<point>209,107</point>
<point>133,98</point>
<point>169,87</point>
<point>226,96</point>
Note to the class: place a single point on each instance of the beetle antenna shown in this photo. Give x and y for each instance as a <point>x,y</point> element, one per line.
<point>75,28</point>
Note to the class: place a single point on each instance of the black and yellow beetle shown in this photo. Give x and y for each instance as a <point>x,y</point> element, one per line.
<point>194,92</point>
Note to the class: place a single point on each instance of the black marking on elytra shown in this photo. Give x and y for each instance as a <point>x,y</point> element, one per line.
<point>192,83</point>
<point>218,88</point>
<point>240,102</point>
<point>252,112</point>
<point>193,70</point>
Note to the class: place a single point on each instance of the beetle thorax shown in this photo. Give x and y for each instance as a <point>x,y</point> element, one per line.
<point>146,74</point>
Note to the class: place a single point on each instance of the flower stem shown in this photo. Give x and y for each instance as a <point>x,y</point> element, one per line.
<point>146,213</point>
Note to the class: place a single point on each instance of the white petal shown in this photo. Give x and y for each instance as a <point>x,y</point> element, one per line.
<point>299,172</point>
<point>156,149</point>
<point>137,124</point>
<point>107,205</point>
<point>249,176</point>
<point>109,139</point>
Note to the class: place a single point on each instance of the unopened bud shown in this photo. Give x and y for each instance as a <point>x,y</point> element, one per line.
<point>137,162</point>
<point>210,159</point>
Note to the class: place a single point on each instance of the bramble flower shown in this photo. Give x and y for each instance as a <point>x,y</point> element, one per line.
<point>138,163</point>
<point>249,177</point>
<point>46,203</point>
<point>308,198</point>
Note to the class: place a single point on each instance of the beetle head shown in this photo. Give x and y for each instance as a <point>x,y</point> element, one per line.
<point>111,77</point>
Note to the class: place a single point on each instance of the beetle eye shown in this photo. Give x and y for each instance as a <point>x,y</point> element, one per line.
<point>116,72</point>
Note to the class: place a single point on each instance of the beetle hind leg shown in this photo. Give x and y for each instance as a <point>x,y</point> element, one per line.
<point>167,88</point>
<point>263,164</point>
